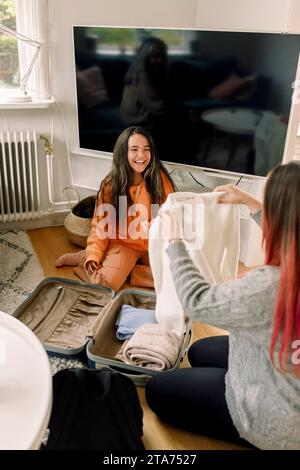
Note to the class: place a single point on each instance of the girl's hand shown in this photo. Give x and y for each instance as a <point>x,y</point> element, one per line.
<point>91,266</point>
<point>234,195</point>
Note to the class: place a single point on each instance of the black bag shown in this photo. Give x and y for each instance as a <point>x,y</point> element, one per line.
<point>94,410</point>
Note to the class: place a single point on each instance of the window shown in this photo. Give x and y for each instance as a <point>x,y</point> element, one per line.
<point>9,59</point>
<point>30,19</point>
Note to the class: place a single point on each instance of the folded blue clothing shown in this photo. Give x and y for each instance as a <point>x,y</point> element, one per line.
<point>130,318</point>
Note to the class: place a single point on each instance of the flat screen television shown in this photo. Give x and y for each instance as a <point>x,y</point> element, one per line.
<point>210,99</point>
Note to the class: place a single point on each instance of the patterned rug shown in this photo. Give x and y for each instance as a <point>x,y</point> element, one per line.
<point>60,363</point>
<point>20,270</point>
<point>20,273</point>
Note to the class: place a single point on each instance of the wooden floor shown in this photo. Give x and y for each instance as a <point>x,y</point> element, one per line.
<point>51,242</point>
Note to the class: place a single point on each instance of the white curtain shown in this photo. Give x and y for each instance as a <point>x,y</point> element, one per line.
<point>32,20</point>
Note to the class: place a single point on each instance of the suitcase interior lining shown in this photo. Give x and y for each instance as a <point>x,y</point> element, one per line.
<point>106,343</point>
<point>62,315</point>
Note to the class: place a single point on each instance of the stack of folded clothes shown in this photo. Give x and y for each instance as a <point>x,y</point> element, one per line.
<point>146,343</point>
<point>152,346</point>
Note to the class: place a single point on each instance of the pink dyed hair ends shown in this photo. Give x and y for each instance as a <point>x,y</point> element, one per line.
<point>281,234</point>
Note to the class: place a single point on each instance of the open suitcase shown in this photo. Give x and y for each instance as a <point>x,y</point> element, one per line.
<point>77,320</point>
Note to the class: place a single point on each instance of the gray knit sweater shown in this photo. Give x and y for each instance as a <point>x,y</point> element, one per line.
<point>263,403</point>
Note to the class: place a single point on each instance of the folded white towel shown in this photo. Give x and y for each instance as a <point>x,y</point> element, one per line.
<point>153,347</point>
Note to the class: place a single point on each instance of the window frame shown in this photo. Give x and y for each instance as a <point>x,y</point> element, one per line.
<point>31,20</point>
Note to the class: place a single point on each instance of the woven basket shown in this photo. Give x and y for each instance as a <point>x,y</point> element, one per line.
<point>78,222</point>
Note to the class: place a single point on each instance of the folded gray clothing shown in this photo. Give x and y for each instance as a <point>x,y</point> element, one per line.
<point>130,319</point>
<point>152,346</point>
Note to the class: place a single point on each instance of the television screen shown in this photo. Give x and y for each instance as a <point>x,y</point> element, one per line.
<point>210,99</point>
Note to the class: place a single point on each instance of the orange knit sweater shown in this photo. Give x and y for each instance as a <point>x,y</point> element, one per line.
<point>97,242</point>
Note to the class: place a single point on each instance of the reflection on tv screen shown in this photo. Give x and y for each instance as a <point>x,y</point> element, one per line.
<point>210,99</point>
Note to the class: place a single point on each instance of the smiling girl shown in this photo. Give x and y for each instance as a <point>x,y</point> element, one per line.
<point>113,253</point>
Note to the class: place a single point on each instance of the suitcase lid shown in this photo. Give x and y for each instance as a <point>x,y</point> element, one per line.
<point>63,283</point>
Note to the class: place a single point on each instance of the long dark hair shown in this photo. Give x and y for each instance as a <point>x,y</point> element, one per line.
<point>281,234</point>
<point>121,174</point>
<point>140,63</point>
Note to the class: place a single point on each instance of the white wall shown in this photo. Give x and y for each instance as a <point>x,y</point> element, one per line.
<point>245,15</point>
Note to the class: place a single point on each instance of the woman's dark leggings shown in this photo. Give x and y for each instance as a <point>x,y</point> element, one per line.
<point>194,398</point>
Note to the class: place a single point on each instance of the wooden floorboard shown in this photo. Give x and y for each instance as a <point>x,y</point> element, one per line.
<point>49,243</point>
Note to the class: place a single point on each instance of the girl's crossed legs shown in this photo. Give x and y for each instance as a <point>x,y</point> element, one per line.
<point>119,262</point>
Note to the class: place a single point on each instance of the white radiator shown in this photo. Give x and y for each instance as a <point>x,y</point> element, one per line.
<point>19,177</point>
